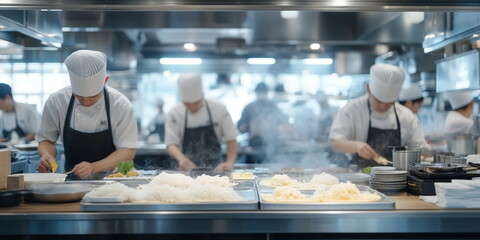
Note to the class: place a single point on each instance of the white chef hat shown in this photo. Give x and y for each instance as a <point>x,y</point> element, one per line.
<point>459,99</point>
<point>190,87</point>
<point>411,92</point>
<point>87,70</point>
<point>386,81</point>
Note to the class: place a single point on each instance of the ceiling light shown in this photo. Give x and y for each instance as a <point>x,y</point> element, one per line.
<point>261,61</point>
<point>289,14</point>
<point>315,46</point>
<point>181,61</point>
<point>318,61</point>
<point>190,47</point>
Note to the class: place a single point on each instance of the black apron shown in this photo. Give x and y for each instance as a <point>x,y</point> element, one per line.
<point>160,130</point>
<point>200,144</point>
<point>89,147</point>
<point>381,140</point>
<point>17,129</point>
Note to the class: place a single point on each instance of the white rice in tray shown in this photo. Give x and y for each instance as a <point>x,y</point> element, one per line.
<point>343,192</point>
<point>114,190</point>
<point>284,194</point>
<point>324,179</point>
<point>278,180</point>
<point>173,179</point>
<point>196,194</point>
<point>173,188</point>
<point>223,181</point>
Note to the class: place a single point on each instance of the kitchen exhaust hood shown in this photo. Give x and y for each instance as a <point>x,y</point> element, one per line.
<point>32,29</point>
<point>459,72</point>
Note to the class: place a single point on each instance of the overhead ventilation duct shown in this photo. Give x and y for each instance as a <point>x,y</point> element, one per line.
<point>32,28</point>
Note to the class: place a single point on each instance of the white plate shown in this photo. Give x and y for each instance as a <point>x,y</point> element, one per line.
<point>30,146</point>
<point>32,178</point>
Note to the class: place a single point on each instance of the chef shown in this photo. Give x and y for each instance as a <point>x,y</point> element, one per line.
<point>367,125</point>
<point>17,119</point>
<point>411,97</point>
<point>196,128</point>
<point>96,122</point>
<point>458,121</point>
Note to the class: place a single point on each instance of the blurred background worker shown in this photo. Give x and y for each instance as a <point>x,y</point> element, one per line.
<point>197,127</point>
<point>18,120</point>
<point>157,124</point>
<point>458,121</point>
<point>263,121</point>
<point>369,124</point>
<point>325,116</point>
<point>96,122</point>
<point>411,97</point>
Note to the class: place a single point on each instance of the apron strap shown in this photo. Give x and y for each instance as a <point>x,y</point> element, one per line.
<point>370,116</point>
<point>68,118</point>
<point>209,116</point>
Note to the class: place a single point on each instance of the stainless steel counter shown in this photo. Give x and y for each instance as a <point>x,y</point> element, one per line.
<point>406,220</point>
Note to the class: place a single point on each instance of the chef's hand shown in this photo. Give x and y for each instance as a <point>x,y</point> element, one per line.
<point>224,166</point>
<point>186,165</point>
<point>365,151</point>
<point>45,165</point>
<point>83,170</point>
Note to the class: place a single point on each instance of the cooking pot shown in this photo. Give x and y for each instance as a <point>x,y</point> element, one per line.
<point>463,144</point>
<point>403,157</point>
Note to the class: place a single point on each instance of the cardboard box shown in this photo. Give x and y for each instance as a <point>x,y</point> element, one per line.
<point>5,168</point>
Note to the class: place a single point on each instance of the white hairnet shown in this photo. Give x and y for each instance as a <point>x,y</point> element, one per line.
<point>459,99</point>
<point>190,87</point>
<point>87,70</point>
<point>386,81</point>
<point>411,92</point>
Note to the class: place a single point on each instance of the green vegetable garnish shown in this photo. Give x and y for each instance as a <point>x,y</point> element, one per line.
<point>367,170</point>
<point>125,167</point>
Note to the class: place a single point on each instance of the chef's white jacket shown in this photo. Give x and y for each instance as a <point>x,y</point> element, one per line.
<point>456,123</point>
<point>351,123</point>
<point>89,119</point>
<point>223,124</point>
<point>27,117</point>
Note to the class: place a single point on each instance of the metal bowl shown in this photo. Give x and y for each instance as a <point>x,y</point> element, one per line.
<point>60,192</point>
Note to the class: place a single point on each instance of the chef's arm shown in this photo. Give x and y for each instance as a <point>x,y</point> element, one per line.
<point>231,157</point>
<point>350,146</point>
<point>47,152</point>
<point>30,136</point>
<point>183,162</point>
<point>111,162</point>
<point>232,149</point>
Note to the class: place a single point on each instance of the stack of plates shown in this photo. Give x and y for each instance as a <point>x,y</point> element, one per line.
<point>389,180</point>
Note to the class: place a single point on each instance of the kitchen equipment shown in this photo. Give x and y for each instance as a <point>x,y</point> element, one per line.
<point>463,144</point>
<point>441,170</point>
<point>403,158</point>
<point>383,203</point>
<point>249,202</point>
<point>420,186</point>
<point>32,178</point>
<point>12,198</point>
<point>5,168</point>
<point>59,192</point>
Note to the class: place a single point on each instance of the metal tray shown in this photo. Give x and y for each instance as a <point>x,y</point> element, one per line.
<point>250,202</point>
<point>383,203</point>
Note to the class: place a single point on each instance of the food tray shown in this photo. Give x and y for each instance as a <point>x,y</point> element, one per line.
<point>383,203</point>
<point>249,195</point>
